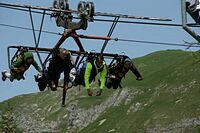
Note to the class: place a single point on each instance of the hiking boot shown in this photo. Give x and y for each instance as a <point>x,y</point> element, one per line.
<point>89,92</point>
<point>4,75</point>
<point>36,78</point>
<point>187,4</point>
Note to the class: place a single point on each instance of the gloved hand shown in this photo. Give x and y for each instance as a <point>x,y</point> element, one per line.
<point>53,86</point>
<point>89,92</point>
<point>65,87</point>
<point>139,78</point>
<point>112,77</point>
<point>99,92</point>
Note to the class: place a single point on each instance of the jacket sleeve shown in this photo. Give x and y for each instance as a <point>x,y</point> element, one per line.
<point>112,68</point>
<point>36,66</point>
<point>87,75</point>
<point>135,71</point>
<point>17,63</point>
<point>103,76</point>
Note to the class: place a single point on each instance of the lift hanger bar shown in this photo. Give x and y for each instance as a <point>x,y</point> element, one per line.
<point>73,52</point>
<point>110,33</point>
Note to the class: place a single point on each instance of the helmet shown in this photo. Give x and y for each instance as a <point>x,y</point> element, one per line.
<point>99,57</point>
<point>65,54</point>
<point>23,49</point>
<point>127,60</point>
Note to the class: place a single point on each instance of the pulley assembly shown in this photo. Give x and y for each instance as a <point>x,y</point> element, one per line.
<point>64,17</point>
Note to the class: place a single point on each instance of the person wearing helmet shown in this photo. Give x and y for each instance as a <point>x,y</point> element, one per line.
<point>22,63</point>
<point>193,8</point>
<point>60,62</point>
<point>118,70</point>
<point>193,5</point>
<point>89,71</point>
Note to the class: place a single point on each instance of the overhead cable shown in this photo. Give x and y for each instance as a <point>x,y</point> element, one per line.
<point>152,42</point>
<point>116,39</point>
<point>24,28</point>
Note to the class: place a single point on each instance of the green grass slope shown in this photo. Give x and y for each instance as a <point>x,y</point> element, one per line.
<point>42,111</point>
<point>167,100</point>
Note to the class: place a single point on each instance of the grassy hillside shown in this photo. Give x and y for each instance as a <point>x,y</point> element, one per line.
<point>167,100</point>
<point>168,97</point>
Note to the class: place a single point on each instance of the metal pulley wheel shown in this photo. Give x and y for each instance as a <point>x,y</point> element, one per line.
<point>90,9</point>
<point>56,4</point>
<point>64,5</point>
<point>81,7</point>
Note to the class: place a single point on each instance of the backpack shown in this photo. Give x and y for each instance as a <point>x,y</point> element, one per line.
<point>91,58</point>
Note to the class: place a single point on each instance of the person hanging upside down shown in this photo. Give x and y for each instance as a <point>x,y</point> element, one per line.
<point>118,70</point>
<point>22,63</point>
<point>60,62</point>
<point>88,73</point>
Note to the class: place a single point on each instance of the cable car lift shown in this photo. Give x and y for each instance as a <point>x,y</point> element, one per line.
<point>64,17</point>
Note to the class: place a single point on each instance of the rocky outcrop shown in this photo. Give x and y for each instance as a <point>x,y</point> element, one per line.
<point>30,125</point>
<point>80,118</point>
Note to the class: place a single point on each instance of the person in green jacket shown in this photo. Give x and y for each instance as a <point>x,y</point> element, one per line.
<point>22,63</point>
<point>89,71</point>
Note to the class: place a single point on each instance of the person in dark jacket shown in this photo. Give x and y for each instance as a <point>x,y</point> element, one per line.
<point>22,63</point>
<point>118,70</point>
<point>61,62</point>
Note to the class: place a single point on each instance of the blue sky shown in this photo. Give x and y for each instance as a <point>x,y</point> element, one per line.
<point>152,8</point>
